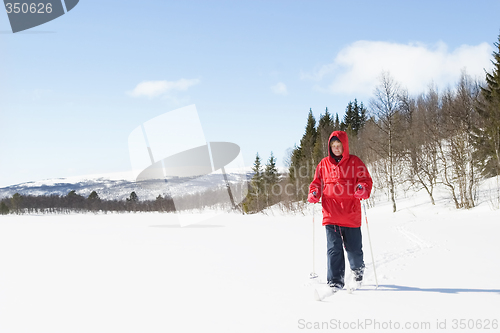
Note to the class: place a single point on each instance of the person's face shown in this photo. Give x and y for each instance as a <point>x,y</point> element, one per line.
<point>337,148</point>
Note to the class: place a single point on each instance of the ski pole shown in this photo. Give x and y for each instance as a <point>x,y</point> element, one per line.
<point>313,274</point>
<point>370,242</point>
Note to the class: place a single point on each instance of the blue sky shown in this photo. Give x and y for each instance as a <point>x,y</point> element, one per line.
<point>73,89</point>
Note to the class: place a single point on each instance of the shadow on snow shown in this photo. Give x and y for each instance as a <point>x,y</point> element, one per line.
<point>393,287</point>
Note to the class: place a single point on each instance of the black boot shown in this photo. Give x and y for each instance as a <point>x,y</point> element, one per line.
<point>358,274</point>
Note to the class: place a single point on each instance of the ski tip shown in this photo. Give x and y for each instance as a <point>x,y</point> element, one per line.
<point>316,296</point>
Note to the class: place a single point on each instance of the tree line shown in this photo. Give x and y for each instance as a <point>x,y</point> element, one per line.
<point>73,202</point>
<point>76,203</point>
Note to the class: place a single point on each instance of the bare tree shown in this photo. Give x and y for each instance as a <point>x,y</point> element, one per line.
<point>385,106</point>
<point>422,139</point>
<point>456,153</point>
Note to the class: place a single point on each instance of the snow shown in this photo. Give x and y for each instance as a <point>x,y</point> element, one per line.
<point>248,273</point>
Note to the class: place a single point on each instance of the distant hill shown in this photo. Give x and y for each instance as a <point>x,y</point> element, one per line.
<point>119,186</point>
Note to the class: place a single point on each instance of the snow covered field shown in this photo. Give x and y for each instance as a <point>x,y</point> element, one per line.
<point>438,270</point>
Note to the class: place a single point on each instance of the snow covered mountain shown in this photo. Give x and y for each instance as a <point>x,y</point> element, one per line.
<point>118,186</point>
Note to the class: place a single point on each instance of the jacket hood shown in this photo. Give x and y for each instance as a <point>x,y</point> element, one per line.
<point>345,143</point>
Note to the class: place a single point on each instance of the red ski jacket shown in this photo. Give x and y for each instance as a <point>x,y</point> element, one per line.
<point>336,183</point>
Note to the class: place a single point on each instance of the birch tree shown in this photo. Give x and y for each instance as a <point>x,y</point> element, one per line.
<point>385,106</point>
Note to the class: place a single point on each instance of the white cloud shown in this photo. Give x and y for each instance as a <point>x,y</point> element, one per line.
<point>357,67</point>
<point>159,88</point>
<point>279,89</point>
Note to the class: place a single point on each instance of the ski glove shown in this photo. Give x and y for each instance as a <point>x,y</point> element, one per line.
<point>361,193</point>
<point>312,198</point>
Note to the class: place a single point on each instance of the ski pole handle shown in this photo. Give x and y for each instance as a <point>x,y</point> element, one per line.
<point>314,193</point>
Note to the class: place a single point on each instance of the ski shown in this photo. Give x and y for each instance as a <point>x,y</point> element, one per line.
<point>322,291</point>
<point>353,286</point>
<point>325,291</point>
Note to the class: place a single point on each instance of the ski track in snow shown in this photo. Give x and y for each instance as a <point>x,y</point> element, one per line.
<point>419,242</point>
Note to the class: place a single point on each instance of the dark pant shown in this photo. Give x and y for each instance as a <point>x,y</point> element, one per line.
<point>336,239</point>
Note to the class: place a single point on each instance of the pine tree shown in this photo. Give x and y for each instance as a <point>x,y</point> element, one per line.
<point>349,118</point>
<point>309,138</point>
<point>302,162</point>
<point>326,126</point>
<point>93,201</point>
<point>295,160</point>
<point>487,136</point>
<point>133,197</point>
<point>159,203</point>
<point>336,125</point>
<point>93,196</point>
<point>15,202</point>
<point>75,201</point>
<point>4,209</point>
<point>255,191</point>
<point>270,177</point>
<point>271,172</point>
<point>132,201</point>
<point>361,116</point>
<point>354,118</point>
<point>257,172</point>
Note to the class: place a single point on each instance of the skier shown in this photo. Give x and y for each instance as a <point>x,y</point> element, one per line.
<point>341,180</point>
